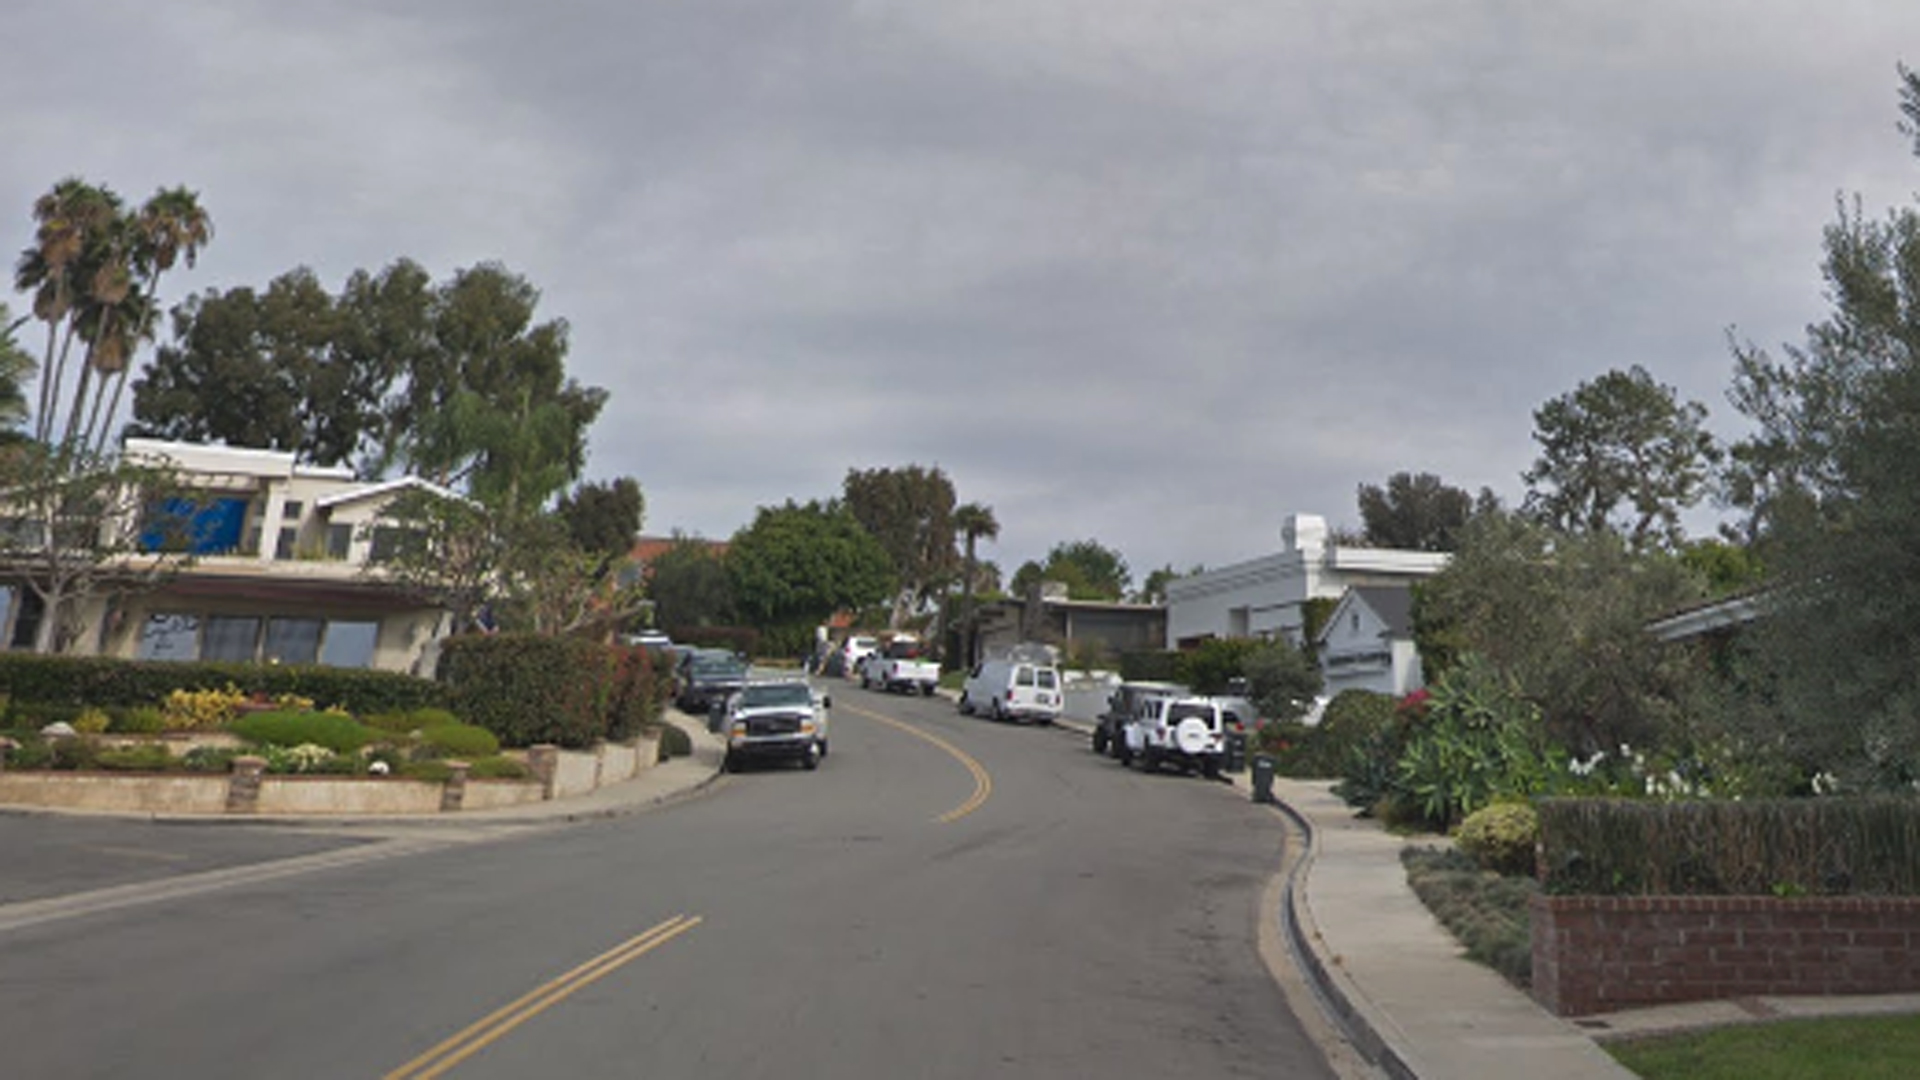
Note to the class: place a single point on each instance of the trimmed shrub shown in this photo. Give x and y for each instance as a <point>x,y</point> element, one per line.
<point>437,772</point>
<point>528,689</point>
<point>744,640</point>
<point>1761,847</point>
<point>1150,666</point>
<point>460,740</point>
<point>1486,911</point>
<point>138,720</point>
<point>135,759</point>
<point>92,721</point>
<point>340,734</point>
<point>34,715</point>
<point>80,681</point>
<point>1501,837</point>
<point>210,759</point>
<point>431,717</point>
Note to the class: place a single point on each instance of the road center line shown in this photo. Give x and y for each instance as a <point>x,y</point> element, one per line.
<point>982,783</point>
<point>495,1025</point>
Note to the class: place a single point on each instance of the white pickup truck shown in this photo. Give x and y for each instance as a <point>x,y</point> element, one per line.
<point>899,666</point>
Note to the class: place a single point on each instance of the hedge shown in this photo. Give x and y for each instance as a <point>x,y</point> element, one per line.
<point>109,682</point>
<point>1764,847</point>
<point>567,691</point>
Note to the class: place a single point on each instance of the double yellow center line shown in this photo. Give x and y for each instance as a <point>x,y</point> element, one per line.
<point>982,783</point>
<point>490,1028</point>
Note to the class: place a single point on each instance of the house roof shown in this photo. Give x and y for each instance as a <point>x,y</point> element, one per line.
<point>384,487</point>
<point>648,548</point>
<point>1392,604</point>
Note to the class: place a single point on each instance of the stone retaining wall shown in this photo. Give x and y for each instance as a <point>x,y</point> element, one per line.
<point>1596,954</point>
<point>248,790</point>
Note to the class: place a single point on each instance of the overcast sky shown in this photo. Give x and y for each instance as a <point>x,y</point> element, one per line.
<point>1155,273</point>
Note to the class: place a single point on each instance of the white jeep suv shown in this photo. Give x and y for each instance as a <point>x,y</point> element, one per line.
<point>1188,732</point>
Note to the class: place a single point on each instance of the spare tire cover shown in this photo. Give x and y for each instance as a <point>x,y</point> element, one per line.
<point>1192,735</point>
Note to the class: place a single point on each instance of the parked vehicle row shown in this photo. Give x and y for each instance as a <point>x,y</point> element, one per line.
<point>1165,724</point>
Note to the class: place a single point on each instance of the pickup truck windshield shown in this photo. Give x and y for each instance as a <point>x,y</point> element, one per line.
<point>764,697</point>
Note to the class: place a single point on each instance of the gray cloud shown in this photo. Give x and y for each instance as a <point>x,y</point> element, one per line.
<point>1151,272</point>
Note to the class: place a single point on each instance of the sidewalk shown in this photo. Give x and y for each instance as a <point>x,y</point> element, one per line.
<point>1397,981</point>
<point>1402,988</point>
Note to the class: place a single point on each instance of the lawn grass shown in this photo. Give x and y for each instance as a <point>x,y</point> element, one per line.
<point>1485,911</point>
<point>1854,1048</point>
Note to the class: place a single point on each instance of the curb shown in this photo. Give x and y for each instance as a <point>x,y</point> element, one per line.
<point>1303,939</point>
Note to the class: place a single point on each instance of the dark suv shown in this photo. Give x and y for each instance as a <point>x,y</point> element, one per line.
<point>707,678</point>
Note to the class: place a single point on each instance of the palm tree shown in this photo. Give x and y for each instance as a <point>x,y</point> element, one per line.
<point>171,225</point>
<point>58,271</point>
<point>972,521</point>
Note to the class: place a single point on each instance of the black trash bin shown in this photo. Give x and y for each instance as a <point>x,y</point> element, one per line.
<point>1263,769</point>
<point>1236,752</point>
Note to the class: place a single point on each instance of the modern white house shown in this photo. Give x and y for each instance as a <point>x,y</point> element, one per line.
<point>1264,597</point>
<point>279,574</point>
<point>1367,643</point>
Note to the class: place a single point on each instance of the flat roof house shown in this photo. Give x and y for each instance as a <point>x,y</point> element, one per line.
<point>1263,597</point>
<point>280,572</point>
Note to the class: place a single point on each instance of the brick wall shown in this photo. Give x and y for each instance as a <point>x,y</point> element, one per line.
<point>1596,954</point>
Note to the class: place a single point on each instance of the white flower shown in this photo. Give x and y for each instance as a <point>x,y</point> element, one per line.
<point>379,768</point>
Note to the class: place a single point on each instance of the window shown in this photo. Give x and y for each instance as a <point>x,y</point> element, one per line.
<point>292,641</point>
<point>291,510</point>
<point>26,622</point>
<point>389,541</point>
<point>284,547</point>
<point>229,637</point>
<point>339,541</point>
<point>170,636</point>
<point>349,644</point>
<point>1023,676</point>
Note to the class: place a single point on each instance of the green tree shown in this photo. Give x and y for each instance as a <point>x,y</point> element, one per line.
<point>689,585</point>
<point>1828,477</point>
<point>1565,615</point>
<point>1621,452</point>
<point>1282,680</point>
<point>1415,513</point>
<point>798,564</point>
<point>604,518</point>
<point>910,511</point>
<point>243,370</point>
<point>1089,570</point>
<point>16,369</point>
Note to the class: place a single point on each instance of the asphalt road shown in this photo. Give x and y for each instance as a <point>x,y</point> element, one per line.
<point>944,897</point>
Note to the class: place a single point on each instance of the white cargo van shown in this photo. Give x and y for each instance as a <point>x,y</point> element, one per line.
<point>1013,689</point>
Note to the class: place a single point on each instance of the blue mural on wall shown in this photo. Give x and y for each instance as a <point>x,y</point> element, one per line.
<point>199,526</point>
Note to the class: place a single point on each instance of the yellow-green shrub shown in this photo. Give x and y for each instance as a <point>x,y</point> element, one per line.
<point>92,721</point>
<point>1501,837</point>
<point>201,710</point>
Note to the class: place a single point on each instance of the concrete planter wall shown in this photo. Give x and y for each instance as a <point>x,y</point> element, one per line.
<point>1596,954</point>
<point>250,790</point>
